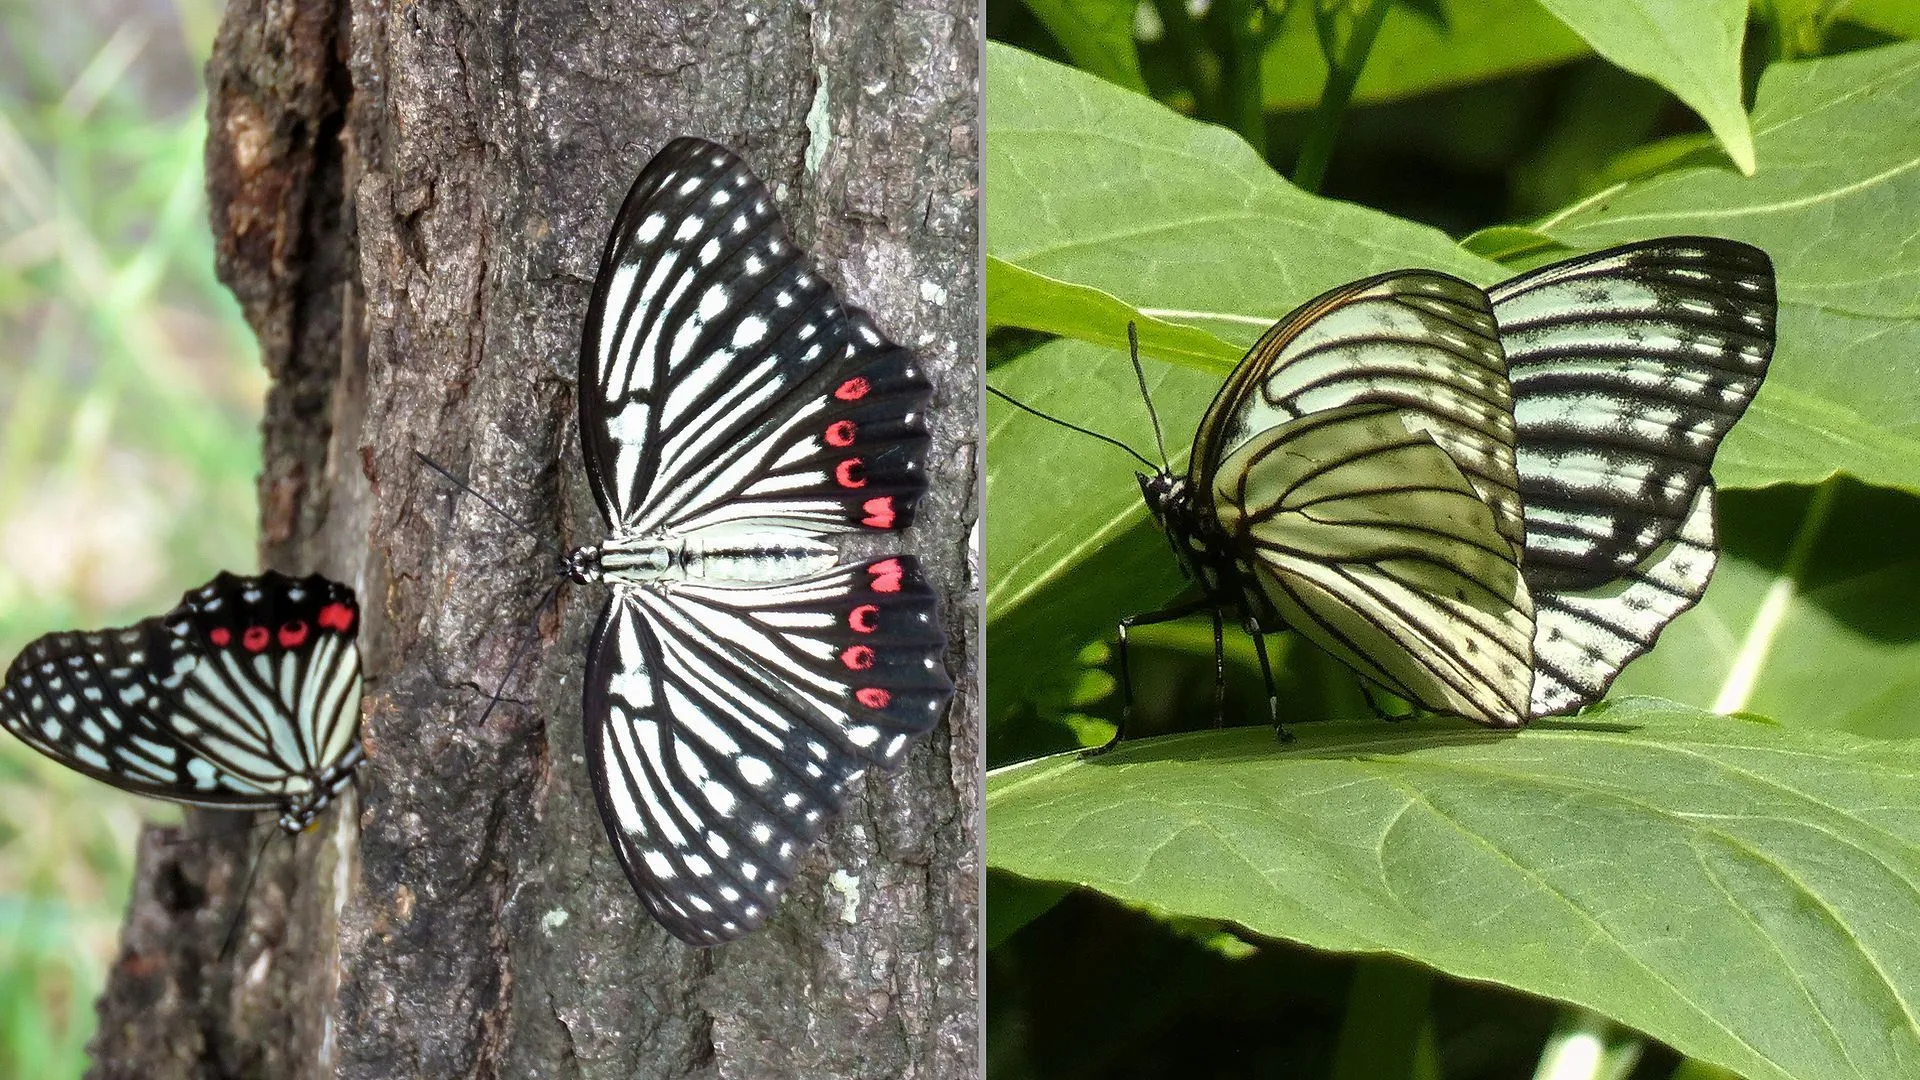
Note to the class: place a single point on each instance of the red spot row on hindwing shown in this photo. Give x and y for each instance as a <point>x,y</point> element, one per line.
<point>255,638</point>
<point>840,433</point>
<point>850,473</point>
<point>879,512</point>
<point>872,697</point>
<point>860,619</point>
<point>853,389</point>
<point>857,657</point>
<point>886,575</point>
<point>337,617</point>
<point>293,635</point>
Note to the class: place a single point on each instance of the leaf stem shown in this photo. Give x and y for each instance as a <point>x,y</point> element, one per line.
<point>1345,60</point>
<point>1386,1031</point>
<point>1242,95</point>
<point>1184,39</point>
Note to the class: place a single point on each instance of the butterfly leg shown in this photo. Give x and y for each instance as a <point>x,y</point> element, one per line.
<point>1273,692</point>
<point>1177,611</point>
<point>1219,673</point>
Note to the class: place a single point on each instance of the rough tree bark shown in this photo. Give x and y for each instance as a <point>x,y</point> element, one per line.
<point>409,200</point>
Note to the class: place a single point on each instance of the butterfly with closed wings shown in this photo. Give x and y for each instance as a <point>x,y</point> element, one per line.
<point>734,415</point>
<point>244,697</point>
<point>1485,502</point>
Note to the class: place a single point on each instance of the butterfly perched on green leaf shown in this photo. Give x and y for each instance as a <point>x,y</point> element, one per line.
<point>1486,502</point>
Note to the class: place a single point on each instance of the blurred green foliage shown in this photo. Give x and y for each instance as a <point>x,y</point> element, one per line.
<point>1478,137</point>
<point>130,395</point>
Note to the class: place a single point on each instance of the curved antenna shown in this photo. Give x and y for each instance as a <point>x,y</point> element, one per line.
<point>488,503</point>
<point>1024,407</point>
<point>1140,375</point>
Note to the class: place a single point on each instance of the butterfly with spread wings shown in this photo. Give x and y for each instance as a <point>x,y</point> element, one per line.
<point>244,697</point>
<point>1485,502</point>
<point>734,415</point>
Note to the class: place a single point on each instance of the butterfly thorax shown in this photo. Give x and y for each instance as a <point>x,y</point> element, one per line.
<point>714,554</point>
<point>1202,549</point>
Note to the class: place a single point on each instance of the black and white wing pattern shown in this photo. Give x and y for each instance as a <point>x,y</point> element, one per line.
<point>244,697</point>
<point>733,415</point>
<point>725,722</point>
<point>1629,366</point>
<point>1361,464</point>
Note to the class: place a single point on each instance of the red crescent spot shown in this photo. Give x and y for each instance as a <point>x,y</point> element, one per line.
<point>293,635</point>
<point>872,697</point>
<point>857,657</point>
<point>840,433</point>
<point>850,473</point>
<point>220,636</point>
<point>255,638</point>
<point>336,616</point>
<point>879,512</point>
<point>853,389</point>
<point>860,619</point>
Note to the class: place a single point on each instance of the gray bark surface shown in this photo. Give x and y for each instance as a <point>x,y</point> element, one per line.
<point>410,201</point>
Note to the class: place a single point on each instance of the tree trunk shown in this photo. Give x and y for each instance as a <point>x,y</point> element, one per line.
<point>410,201</point>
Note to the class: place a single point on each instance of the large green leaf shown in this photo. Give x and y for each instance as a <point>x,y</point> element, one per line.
<point>1096,186</point>
<point>1834,202</point>
<point>1746,893</point>
<point>1692,49</point>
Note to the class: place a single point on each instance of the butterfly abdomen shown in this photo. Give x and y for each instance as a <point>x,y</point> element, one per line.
<point>723,555</point>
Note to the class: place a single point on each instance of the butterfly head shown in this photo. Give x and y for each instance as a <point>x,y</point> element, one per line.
<point>581,565</point>
<point>1166,495</point>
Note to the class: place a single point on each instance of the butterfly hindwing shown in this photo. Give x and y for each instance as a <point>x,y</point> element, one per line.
<point>1370,540</point>
<point>1584,637</point>
<point>725,723</point>
<point>245,696</point>
<point>1629,365</point>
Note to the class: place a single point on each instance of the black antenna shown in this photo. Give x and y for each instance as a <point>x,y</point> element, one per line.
<point>240,912</point>
<point>1139,374</point>
<point>1023,406</point>
<point>520,650</point>
<point>489,503</point>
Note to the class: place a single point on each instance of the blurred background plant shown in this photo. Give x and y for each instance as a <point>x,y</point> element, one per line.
<point>131,394</point>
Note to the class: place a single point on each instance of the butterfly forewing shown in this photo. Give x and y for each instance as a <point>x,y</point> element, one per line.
<point>1629,366</point>
<point>724,725</point>
<point>1417,340</point>
<point>734,412</point>
<point>246,696</point>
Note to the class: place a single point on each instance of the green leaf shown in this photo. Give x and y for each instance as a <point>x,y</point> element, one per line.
<point>1020,297</point>
<point>1098,187</point>
<point>1097,35</point>
<point>1833,203</point>
<point>1691,49</point>
<point>1417,53</point>
<point>1593,862</point>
